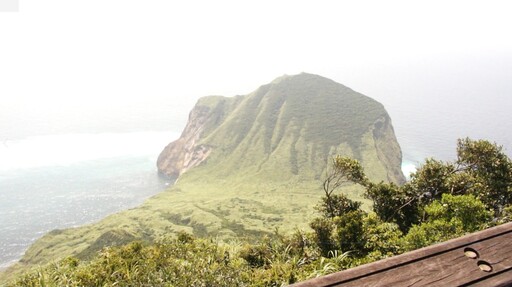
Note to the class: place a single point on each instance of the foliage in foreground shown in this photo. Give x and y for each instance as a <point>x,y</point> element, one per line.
<point>441,201</point>
<point>189,261</point>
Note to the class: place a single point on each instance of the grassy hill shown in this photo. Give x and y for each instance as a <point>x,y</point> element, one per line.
<point>292,126</point>
<point>247,165</point>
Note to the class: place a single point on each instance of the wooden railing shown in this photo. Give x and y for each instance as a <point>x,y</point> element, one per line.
<point>483,258</point>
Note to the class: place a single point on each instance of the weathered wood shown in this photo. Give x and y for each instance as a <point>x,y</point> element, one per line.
<point>480,259</point>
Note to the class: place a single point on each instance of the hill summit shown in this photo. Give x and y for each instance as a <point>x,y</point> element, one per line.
<point>246,166</point>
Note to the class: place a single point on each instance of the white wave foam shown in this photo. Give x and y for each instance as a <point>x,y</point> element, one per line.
<point>408,168</point>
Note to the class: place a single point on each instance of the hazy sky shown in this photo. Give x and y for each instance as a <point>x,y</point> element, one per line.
<point>68,55</point>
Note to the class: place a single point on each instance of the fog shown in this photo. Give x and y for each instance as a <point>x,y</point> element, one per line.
<point>440,68</point>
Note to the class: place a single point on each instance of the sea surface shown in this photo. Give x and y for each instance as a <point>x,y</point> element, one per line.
<point>59,181</point>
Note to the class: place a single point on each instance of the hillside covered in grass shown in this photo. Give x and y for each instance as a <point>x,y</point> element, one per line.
<point>284,131</point>
<point>246,166</point>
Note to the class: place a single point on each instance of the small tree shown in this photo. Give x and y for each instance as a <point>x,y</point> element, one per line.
<point>344,170</point>
<point>349,232</point>
<point>323,228</point>
<point>396,204</point>
<point>490,169</point>
<point>471,212</point>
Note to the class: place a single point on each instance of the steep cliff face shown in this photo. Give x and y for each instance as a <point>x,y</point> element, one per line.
<point>388,150</point>
<point>185,153</point>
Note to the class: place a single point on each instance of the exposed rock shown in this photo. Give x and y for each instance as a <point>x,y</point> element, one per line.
<point>185,153</point>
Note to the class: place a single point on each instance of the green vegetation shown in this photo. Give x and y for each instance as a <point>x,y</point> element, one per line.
<point>187,261</point>
<point>441,201</point>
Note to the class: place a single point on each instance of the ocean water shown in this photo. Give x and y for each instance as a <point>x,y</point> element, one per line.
<point>430,126</point>
<point>59,181</point>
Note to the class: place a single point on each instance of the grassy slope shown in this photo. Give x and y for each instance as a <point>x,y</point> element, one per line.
<point>270,151</point>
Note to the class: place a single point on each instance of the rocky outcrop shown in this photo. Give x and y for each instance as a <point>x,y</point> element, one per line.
<point>185,153</point>
<point>188,151</point>
<point>388,150</point>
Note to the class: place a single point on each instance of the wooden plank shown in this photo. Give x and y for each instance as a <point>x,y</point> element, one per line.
<point>442,264</point>
<point>497,280</point>
<point>449,268</point>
